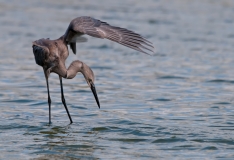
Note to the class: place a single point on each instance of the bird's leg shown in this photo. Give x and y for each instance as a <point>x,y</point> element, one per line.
<point>49,100</point>
<point>63,99</point>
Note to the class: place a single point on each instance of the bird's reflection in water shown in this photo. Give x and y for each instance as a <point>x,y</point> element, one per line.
<point>63,143</point>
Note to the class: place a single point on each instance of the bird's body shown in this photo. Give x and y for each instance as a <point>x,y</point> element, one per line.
<point>52,54</point>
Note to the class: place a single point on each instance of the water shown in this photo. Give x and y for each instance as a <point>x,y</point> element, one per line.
<point>176,104</point>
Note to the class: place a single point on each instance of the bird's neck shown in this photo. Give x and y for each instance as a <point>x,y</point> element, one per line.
<point>74,68</point>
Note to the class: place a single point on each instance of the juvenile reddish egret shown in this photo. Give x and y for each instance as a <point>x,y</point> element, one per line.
<point>51,54</point>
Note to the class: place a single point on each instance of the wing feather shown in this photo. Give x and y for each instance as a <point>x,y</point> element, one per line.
<point>40,53</point>
<point>99,29</point>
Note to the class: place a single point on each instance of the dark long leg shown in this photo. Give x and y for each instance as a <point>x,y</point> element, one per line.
<point>63,99</point>
<point>49,100</point>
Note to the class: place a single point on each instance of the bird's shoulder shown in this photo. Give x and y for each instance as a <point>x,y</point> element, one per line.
<point>41,50</point>
<point>43,43</point>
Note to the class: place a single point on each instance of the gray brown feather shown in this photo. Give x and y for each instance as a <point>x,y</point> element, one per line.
<point>99,29</point>
<point>73,47</point>
<point>39,54</point>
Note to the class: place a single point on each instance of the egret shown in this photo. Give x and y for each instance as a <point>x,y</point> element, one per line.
<point>52,54</point>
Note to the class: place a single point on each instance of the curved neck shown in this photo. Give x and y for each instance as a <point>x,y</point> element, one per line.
<point>74,68</point>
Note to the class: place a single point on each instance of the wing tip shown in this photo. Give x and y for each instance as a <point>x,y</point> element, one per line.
<point>150,54</point>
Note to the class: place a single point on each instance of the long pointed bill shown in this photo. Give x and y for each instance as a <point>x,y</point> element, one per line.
<point>95,94</point>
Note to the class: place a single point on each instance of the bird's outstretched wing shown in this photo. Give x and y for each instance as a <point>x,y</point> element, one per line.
<point>99,29</point>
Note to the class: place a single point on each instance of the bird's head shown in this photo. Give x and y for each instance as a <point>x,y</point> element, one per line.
<point>89,77</point>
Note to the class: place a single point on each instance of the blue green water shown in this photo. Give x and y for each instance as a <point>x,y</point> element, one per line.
<point>176,104</point>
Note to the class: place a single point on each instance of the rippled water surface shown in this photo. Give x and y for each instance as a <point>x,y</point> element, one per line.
<point>176,104</point>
